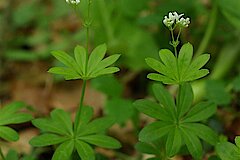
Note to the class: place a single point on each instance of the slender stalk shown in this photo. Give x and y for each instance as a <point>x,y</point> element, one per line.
<point>1,154</point>
<point>173,42</point>
<point>209,31</point>
<point>87,25</point>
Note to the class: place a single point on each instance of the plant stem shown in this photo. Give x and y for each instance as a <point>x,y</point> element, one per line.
<point>209,31</point>
<point>173,43</point>
<point>87,25</point>
<point>1,154</point>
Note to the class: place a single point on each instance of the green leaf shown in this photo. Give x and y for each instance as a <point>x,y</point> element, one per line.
<point>15,118</point>
<point>184,58</point>
<point>160,78</point>
<point>198,63</point>
<point>85,117</point>
<point>193,143</point>
<point>101,141</point>
<point>8,133</point>
<point>97,126</point>
<point>68,73</point>
<point>12,155</point>
<point>196,75</point>
<point>237,141</point>
<point>174,142</point>
<point>96,56</point>
<point>115,106</point>
<point>105,63</point>
<point>48,125</point>
<point>155,131</point>
<point>200,111</point>
<point>104,71</point>
<point>80,56</point>
<point>203,132</point>
<point>64,151</point>
<point>84,150</point>
<point>64,58</point>
<point>184,99</point>
<point>169,60</point>
<point>152,109</point>
<point>60,116</point>
<point>11,108</point>
<point>47,139</point>
<point>148,148</point>
<point>227,151</point>
<point>157,66</point>
<point>165,99</point>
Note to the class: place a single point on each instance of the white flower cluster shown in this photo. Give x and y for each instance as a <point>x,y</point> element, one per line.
<point>177,19</point>
<point>73,1</point>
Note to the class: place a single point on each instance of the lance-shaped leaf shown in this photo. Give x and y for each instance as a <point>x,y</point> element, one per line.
<point>184,99</point>
<point>8,134</point>
<point>80,57</point>
<point>147,148</point>
<point>155,131</point>
<point>101,141</point>
<point>86,115</point>
<point>174,142</point>
<point>64,151</point>
<point>200,111</point>
<point>84,150</point>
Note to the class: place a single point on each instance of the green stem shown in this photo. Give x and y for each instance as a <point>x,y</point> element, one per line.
<point>1,154</point>
<point>209,31</point>
<point>87,25</point>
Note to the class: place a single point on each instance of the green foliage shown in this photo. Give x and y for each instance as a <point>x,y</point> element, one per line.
<point>149,148</point>
<point>230,11</point>
<point>172,70</point>
<point>10,115</point>
<point>216,92</point>
<point>83,68</point>
<point>227,150</point>
<point>121,109</point>
<point>58,130</point>
<point>179,122</point>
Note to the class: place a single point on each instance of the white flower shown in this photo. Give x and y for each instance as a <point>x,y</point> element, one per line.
<point>73,1</point>
<point>175,18</point>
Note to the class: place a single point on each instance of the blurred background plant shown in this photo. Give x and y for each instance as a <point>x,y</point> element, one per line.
<point>30,30</point>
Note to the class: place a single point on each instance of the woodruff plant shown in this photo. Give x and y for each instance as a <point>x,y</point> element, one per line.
<point>178,122</point>
<point>79,135</point>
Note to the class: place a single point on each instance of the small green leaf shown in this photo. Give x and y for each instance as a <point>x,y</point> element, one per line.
<point>104,71</point>
<point>97,126</point>
<point>101,141</point>
<point>193,143</point>
<point>203,132</point>
<point>228,151</point>
<point>237,141</point>
<point>196,75</point>
<point>200,111</point>
<point>152,109</point>
<point>184,58</point>
<point>184,99</point>
<point>48,125</point>
<point>84,150</point>
<point>68,73</point>
<point>64,58</point>
<point>15,118</point>
<point>60,116</point>
<point>47,139</point>
<point>160,78</point>
<point>146,148</point>
<point>165,99</point>
<point>8,133</point>
<point>96,56</point>
<point>157,66</point>
<point>11,108</point>
<point>174,142</point>
<point>80,56</point>
<point>105,63</point>
<point>12,155</point>
<point>155,131</point>
<point>64,151</point>
<point>169,60</point>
